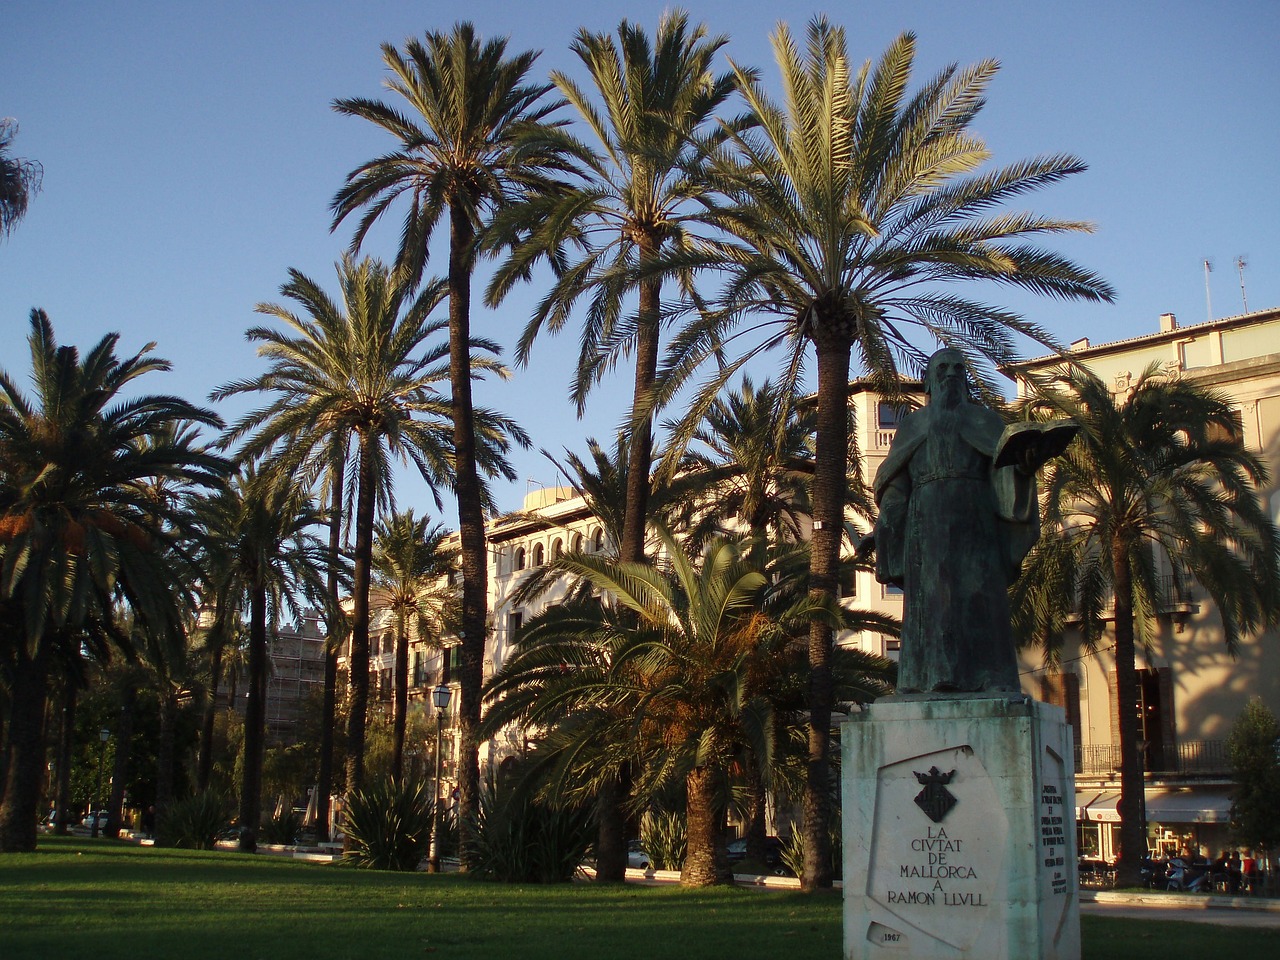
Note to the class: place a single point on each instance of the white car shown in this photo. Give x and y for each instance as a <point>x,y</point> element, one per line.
<point>636,856</point>
<point>102,820</point>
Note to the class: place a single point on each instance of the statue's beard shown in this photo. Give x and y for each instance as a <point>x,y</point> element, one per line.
<point>950,394</point>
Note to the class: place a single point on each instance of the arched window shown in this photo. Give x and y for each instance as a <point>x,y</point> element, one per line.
<point>557,548</point>
<point>539,555</point>
<point>576,543</point>
<point>599,541</point>
<point>519,558</point>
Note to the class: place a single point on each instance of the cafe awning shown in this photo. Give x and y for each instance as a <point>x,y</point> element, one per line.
<point>1164,805</point>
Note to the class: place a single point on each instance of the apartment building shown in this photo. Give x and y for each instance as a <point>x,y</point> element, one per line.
<point>1191,689</point>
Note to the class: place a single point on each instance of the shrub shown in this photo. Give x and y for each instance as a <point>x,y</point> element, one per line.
<point>195,822</point>
<point>793,852</point>
<point>388,825</point>
<point>665,839</point>
<point>283,829</point>
<point>518,839</point>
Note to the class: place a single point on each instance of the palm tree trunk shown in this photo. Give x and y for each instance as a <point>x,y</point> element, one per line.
<point>1133,845</point>
<point>66,743</point>
<point>701,866</point>
<point>25,768</point>
<point>165,757</point>
<point>755,832</point>
<point>255,715</point>
<point>471,531</point>
<point>332,647</point>
<point>204,769</point>
<point>123,756</point>
<point>829,479</point>
<point>640,448</point>
<point>401,702</point>
<point>358,661</point>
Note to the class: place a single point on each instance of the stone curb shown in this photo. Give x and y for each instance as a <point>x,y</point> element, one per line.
<point>1182,901</point>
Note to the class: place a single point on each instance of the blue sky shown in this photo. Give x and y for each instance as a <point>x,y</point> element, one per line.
<point>190,154</point>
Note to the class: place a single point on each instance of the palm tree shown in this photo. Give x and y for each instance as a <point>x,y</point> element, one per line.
<point>676,667</point>
<point>81,531</point>
<point>657,104</point>
<point>361,367</point>
<point>268,558</point>
<point>412,564</point>
<point>1156,479</point>
<point>460,153</point>
<point>849,206</point>
<point>19,179</point>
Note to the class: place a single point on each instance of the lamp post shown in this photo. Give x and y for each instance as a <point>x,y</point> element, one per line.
<point>103,735</point>
<point>440,697</point>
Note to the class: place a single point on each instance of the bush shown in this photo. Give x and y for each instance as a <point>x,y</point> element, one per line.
<point>793,852</point>
<point>517,839</point>
<point>666,840</point>
<point>195,822</point>
<point>283,829</point>
<point>388,825</point>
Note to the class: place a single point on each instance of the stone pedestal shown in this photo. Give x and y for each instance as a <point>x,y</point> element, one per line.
<point>959,837</point>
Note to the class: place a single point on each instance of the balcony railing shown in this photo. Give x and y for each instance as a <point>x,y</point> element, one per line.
<point>1188,757</point>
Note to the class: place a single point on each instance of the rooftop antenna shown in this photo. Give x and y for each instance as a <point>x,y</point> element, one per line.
<point>1208,303</point>
<point>1241,263</point>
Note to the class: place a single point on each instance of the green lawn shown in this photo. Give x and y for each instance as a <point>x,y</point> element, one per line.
<point>106,900</point>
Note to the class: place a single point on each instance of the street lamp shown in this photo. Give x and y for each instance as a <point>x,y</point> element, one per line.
<point>440,697</point>
<point>103,735</point>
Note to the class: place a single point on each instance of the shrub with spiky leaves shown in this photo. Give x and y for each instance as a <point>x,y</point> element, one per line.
<point>196,822</point>
<point>519,838</point>
<point>665,839</point>
<point>389,825</point>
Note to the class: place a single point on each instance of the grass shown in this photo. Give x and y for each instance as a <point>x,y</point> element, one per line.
<point>114,901</point>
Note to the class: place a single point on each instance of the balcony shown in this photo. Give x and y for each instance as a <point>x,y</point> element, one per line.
<point>1191,757</point>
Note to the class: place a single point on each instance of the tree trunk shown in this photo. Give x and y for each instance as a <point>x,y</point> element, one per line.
<point>123,756</point>
<point>471,531</point>
<point>358,661</point>
<point>332,647</point>
<point>25,770</point>
<point>66,744</point>
<point>204,769</point>
<point>830,477</point>
<point>611,829</point>
<point>165,757</point>
<point>640,447</point>
<point>756,850</point>
<point>401,702</point>
<point>1133,843</point>
<point>255,716</point>
<point>703,865</point>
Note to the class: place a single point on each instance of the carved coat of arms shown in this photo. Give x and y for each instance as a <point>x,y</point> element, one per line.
<point>935,799</point>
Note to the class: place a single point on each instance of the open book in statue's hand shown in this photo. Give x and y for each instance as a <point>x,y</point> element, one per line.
<point>1031,445</point>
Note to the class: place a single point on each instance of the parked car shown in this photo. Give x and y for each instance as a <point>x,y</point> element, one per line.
<point>636,856</point>
<point>737,851</point>
<point>101,816</point>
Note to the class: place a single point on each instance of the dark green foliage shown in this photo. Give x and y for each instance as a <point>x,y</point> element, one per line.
<point>665,839</point>
<point>196,822</point>
<point>1254,746</point>
<point>283,829</point>
<point>793,852</point>
<point>389,825</point>
<point>517,838</point>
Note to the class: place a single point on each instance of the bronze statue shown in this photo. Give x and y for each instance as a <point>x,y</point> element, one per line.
<point>958,513</point>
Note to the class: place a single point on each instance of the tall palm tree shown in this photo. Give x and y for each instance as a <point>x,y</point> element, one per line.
<point>850,206</point>
<point>81,531</point>
<point>412,564</point>
<point>652,109</point>
<point>362,367</point>
<point>1156,479</point>
<point>460,153</point>
<point>268,559</point>
<point>19,179</point>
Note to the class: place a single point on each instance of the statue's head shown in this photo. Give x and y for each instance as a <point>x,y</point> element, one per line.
<point>946,378</point>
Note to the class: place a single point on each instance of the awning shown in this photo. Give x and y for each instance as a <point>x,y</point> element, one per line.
<point>1192,805</point>
<point>1188,805</point>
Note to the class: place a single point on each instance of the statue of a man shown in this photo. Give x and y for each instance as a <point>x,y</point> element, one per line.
<point>958,514</point>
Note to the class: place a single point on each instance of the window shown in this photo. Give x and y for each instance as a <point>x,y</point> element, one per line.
<point>514,622</point>
<point>599,541</point>
<point>576,543</point>
<point>539,556</point>
<point>888,416</point>
<point>557,548</point>
<point>1221,434</point>
<point>452,664</point>
<point>374,646</point>
<point>519,558</point>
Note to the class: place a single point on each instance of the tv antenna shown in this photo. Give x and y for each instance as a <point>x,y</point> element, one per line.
<point>1241,263</point>
<point>1208,303</point>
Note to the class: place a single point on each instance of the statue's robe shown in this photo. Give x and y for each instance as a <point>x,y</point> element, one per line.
<point>952,532</point>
